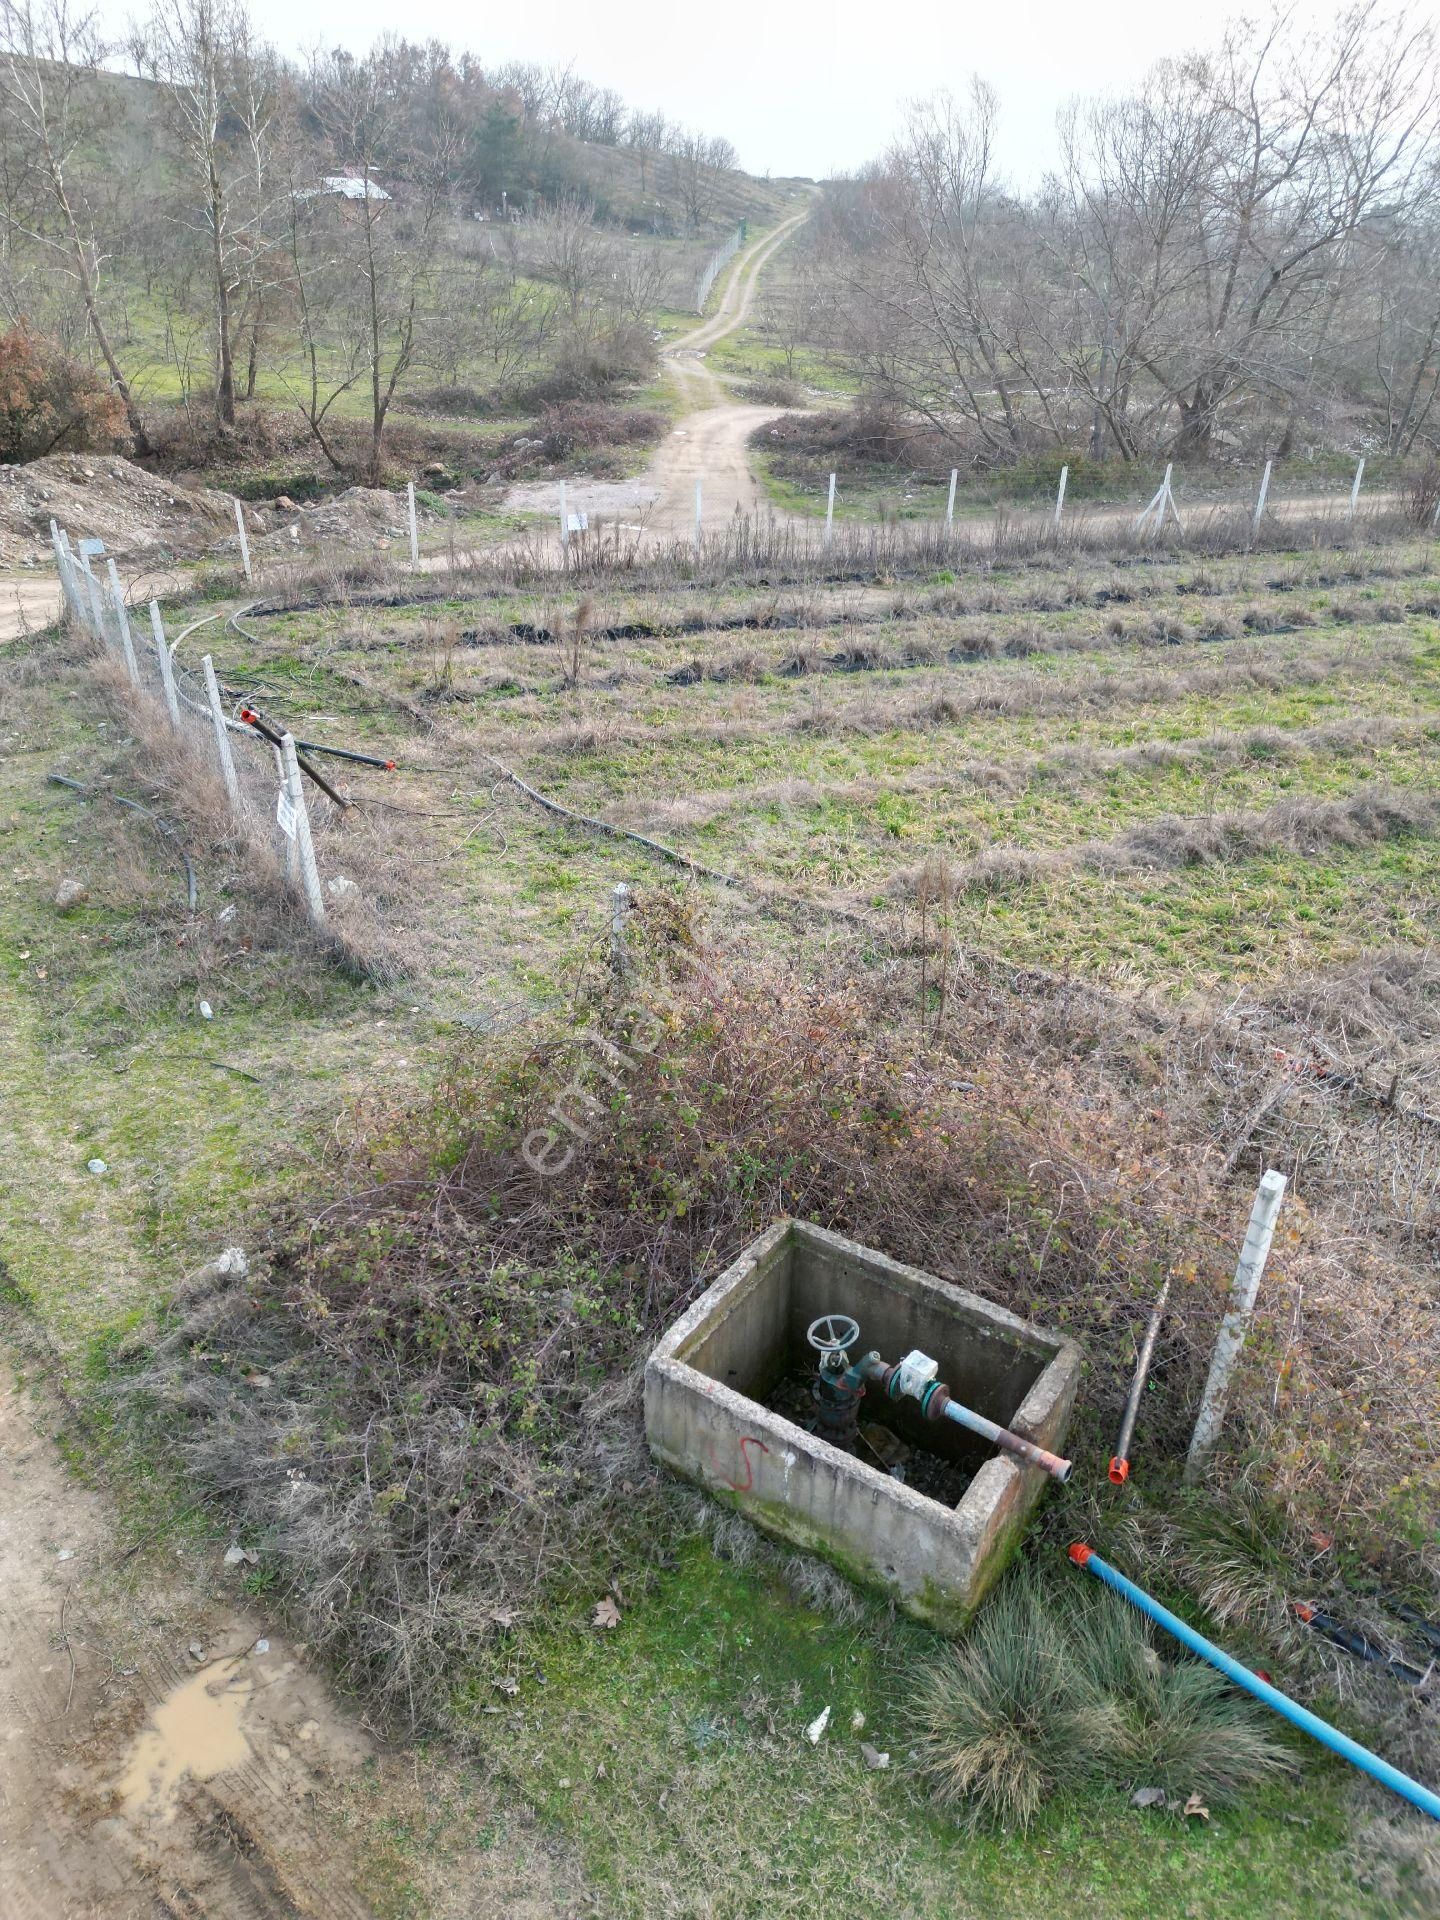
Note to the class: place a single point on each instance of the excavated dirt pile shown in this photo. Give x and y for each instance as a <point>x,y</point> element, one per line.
<point>132,511</point>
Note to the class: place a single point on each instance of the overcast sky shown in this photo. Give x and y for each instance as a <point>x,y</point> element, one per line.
<point>809,86</point>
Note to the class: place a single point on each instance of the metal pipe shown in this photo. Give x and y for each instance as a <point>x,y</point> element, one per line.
<point>1013,1443</point>
<point>936,1402</point>
<point>1418,1796</point>
<point>1120,1460</point>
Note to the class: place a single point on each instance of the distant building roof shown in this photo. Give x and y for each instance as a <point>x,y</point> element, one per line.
<point>350,186</point>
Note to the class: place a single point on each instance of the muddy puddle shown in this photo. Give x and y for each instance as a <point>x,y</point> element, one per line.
<point>195,1734</point>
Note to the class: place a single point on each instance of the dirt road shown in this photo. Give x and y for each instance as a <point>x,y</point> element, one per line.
<point>139,1778</point>
<point>710,443</point>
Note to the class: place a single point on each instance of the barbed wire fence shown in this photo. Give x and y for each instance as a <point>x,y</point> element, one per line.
<point>262,778</point>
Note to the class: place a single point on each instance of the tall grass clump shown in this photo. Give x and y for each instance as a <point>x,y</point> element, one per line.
<point>1008,1717</point>
<point>1061,1686</point>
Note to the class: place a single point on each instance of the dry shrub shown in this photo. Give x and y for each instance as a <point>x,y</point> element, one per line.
<point>50,403</point>
<point>576,426</point>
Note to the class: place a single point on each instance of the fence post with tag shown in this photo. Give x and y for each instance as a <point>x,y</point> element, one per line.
<point>299,827</point>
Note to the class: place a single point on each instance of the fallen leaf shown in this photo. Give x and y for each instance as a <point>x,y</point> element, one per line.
<point>1195,1808</point>
<point>606,1613</point>
<point>1148,1797</point>
<point>817,1727</point>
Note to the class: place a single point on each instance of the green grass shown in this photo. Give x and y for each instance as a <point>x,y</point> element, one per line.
<point>671,1751</point>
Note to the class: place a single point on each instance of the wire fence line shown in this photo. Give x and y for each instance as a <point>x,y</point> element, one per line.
<point>715,265</point>
<point>262,780</point>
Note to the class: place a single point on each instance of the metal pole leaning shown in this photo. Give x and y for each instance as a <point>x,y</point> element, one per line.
<point>1120,1459</point>
<point>1060,496</point>
<point>244,538</point>
<point>1355,490</point>
<point>1264,496</point>
<point>122,623</point>
<point>309,871</point>
<point>162,655</point>
<point>222,738</point>
<point>1235,1325</point>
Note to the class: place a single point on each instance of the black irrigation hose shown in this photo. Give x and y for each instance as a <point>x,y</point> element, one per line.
<point>166,828</point>
<point>671,854</point>
<point>1351,1640</point>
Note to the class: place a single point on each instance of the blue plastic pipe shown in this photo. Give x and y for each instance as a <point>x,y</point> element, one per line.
<point>1328,1736</point>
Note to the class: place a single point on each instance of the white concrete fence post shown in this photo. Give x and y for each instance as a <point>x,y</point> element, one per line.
<point>162,656</point>
<point>1264,496</point>
<point>1235,1325</point>
<point>122,622</point>
<point>65,567</point>
<point>222,737</point>
<point>830,511</point>
<point>950,498</point>
<point>1355,490</point>
<point>309,871</point>
<point>619,911</point>
<point>1060,496</point>
<point>414,523</point>
<point>99,626</point>
<point>244,538</point>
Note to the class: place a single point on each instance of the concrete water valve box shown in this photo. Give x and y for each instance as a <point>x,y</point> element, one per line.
<point>708,1382</point>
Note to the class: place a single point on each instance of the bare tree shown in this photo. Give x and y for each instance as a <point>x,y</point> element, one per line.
<point>372,255</point>
<point>220,86</point>
<point>48,54</point>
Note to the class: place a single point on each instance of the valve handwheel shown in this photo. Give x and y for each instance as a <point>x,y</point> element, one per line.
<point>833,1333</point>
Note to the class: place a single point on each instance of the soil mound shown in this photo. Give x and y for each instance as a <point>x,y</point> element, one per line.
<point>132,511</point>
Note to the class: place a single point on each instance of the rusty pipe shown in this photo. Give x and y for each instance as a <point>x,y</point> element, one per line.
<point>938,1403</point>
